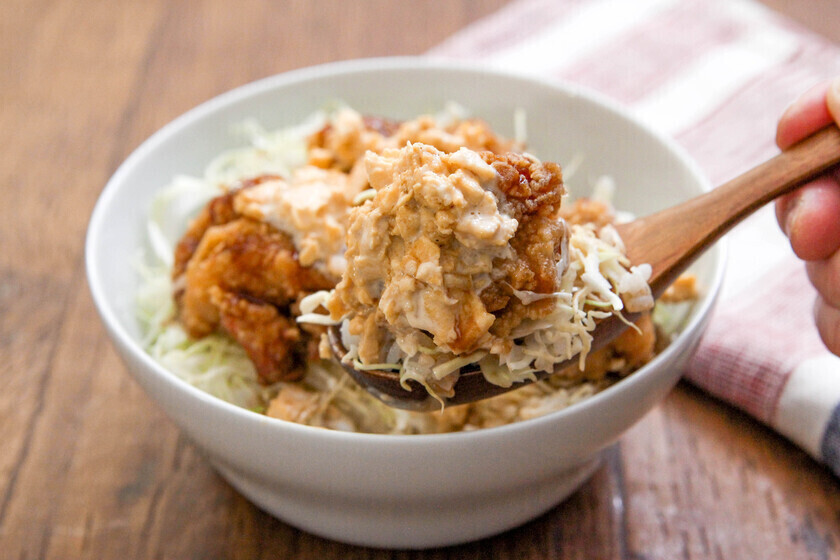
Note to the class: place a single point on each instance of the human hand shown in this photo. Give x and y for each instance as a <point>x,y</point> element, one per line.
<point>810,216</point>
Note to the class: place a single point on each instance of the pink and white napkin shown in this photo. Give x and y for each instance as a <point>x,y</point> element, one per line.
<point>715,75</point>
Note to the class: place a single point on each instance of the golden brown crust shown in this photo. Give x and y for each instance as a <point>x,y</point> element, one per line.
<point>241,276</point>
<point>536,245</point>
<point>587,211</point>
<point>533,192</point>
<point>531,187</point>
<point>218,211</point>
<point>342,142</point>
<point>683,289</point>
<point>271,338</point>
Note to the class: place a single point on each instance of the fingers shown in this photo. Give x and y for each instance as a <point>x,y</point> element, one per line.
<point>823,275</point>
<point>827,319</point>
<point>807,114</point>
<point>810,217</point>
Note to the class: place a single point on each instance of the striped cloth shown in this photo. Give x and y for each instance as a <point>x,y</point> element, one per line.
<point>715,75</point>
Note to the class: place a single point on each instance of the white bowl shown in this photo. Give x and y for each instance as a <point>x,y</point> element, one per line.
<point>399,491</point>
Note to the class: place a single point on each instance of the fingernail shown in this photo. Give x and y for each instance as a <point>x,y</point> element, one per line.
<point>792,214</point>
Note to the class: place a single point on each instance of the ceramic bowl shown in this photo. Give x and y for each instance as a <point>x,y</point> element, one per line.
<point>400,491</point>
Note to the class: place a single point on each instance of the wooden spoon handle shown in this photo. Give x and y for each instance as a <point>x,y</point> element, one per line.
<point>670,240</point>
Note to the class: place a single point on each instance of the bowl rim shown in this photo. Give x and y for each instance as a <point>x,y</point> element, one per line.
<point>116,329</point>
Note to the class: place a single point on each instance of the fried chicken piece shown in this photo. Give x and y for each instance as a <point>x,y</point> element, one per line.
<point>312,206</point>
<point>683,289</point>
<point>342,143</point>
<point>473,134</point>
<point>533,192</point>
<point>531,187</point>
<point>537,248</point>
<point>271,339</point>
<point>294,404</point>
<point>242,276</point>
<point>588,211</point>
<point>219,210</point>
<point>246,257</point>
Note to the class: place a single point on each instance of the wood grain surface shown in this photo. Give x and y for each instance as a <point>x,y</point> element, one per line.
<point>90,468</point>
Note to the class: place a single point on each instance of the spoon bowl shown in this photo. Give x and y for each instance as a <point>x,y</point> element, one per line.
<point>669,240</point>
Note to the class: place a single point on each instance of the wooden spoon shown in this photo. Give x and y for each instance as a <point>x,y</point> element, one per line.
<point>669,240</point>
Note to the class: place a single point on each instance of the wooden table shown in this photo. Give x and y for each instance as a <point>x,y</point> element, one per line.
<point>90,468</point>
